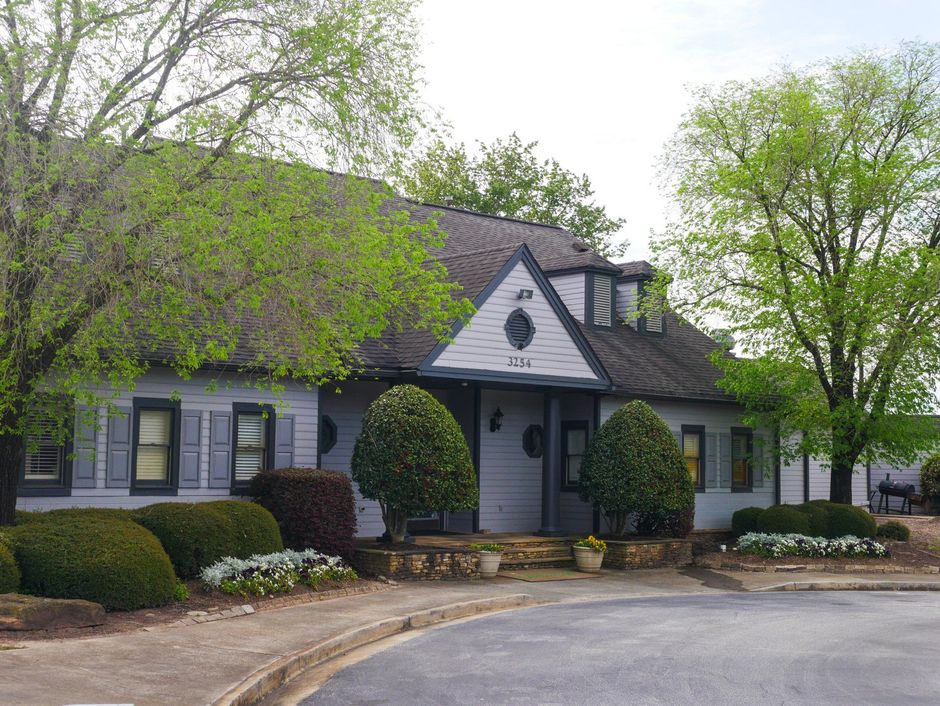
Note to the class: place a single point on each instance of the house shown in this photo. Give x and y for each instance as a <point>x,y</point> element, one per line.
<point>555,347</point>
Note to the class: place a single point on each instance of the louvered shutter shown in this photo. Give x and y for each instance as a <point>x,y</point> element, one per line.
<point>602,300</point>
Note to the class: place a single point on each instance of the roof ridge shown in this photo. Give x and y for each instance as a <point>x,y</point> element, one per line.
<point>481,251</point>
<point>488,215</point>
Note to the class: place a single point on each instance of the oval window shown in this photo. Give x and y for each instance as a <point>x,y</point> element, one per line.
<point>519,329</point>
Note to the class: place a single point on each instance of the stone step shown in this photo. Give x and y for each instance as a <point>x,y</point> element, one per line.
<point>536,563</point>
<point>537,552</point>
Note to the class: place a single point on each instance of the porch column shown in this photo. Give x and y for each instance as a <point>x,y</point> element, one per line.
<point>551,468</point>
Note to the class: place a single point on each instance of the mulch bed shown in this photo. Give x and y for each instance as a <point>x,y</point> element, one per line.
<point>199,600</point>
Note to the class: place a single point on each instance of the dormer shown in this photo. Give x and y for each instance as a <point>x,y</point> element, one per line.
<point>589,293</point>
<point>631,286</point>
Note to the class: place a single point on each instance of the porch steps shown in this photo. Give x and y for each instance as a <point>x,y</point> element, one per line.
<point>555,555</point>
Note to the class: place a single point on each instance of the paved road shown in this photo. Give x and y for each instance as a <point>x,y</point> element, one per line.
<point>776,648</point>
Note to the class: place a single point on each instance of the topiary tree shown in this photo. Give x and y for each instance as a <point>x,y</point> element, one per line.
<point>633,465</point>
<point>412,457</point>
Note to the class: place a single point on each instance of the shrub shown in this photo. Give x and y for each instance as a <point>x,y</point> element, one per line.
<point>895,530</point>
<point>314,509</point>
<point>777,545</point>
<point>116,563</point>
<point>745,520</point>
<point>194,535</point>
<point>674,523</point>
<point>930,476</point>
<point>254,529</point>
<point>91,513</point>
<point>412,457</point>
<point>848,520</point>
<point>783,519</point>
<point>9,571</point>
<point>818,515</point>
<point>633,465</point>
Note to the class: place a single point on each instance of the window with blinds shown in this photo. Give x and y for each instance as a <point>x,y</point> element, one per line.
<point>602,300</point>
<point>154,446</point>
<point>45,456</point>
<point>741,446</point>
<point>251,445</point>
<point>692,454</point>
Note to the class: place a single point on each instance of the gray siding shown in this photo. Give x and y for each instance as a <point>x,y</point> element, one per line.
<point>483,345</point>
<point>571,289</point>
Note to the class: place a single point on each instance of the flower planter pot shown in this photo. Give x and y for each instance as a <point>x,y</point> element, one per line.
<point>587,559</point>
<point>489,564</point>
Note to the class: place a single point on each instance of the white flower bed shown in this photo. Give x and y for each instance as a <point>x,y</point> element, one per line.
<point>779,545</point>
<point>264,574</point>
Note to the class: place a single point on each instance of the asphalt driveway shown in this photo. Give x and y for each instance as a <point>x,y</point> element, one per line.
<point>772,648</point>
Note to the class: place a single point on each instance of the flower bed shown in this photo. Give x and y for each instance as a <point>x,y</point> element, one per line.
<point>266,574</point>
<point>780,545</point>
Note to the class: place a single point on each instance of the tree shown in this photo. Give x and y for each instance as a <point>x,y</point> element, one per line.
<point>810,226</point>
<point>633,465</point>
<point>144,217</point>
<point>413,458</point>
<point>507,179</point>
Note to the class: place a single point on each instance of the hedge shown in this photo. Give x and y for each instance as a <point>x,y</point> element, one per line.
<point>817,518</point>
<point>254,529</point>
<point>24,517</point>
<point>783,519</point>
<point>314,509</point>
<point>850,520</point>
<point>745,520</point>
<point>116,563</point>
<point>818,515</point>
<point>9,571</point>
<point>194,535</point>
<point>895,530</point>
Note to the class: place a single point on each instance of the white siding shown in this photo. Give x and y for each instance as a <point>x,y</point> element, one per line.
<point>482,344</point>
<point>714,506</point>
<point>194,395</point>
<point>819,480</point>
<point>791,479</point>
<point>627,302</point>
<point>571,289</point>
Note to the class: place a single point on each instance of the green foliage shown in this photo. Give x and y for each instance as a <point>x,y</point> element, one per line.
<point>783,519</point>
<point>850,520</point>
<point>744,520</point>
<point>9,571</point>
<point>895,530</point>
<point>633,465</point>
<point>506,178</point>
<point>69,513</point>
<point>496,548</point>
<point>818,515</point>
<point>116,563</point>
<point>194,535</point>
<point>808,229</point>
<point>930,476</point>
<point>181,592</point>
<point>253,529</point>
<point>412,457</point>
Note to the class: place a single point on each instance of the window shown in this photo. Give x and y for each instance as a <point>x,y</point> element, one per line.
<point>574,437</point>
<point>156,444</point>
<point>533,441</point>
<point>254,442</point>
<point>519,329</point>
<point>328,434</point>
<point>45,468</point>
<point>693,447</point>
<point>742,446</point>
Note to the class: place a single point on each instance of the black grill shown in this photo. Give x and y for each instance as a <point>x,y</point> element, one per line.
<point>896,489</point>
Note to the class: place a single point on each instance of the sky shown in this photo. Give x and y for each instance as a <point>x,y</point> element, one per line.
<point>602,85</point>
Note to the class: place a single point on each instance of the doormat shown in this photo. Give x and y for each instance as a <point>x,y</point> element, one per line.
<point>535,575</point>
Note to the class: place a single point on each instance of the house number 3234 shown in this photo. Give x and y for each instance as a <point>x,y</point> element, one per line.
<point>515,362</point>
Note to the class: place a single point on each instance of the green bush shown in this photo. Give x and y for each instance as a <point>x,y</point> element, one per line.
<point>116,563</point>
<point>850,520</point>
<point>895,530</point>
<point>9,571</point>
<point>104,513</point>
<point>930,476</point>
<point>745,520</point>
<point>254,529</point>
<point>412,457</point>
<point>783,519</point>
<point>194,535</point>
<point>633,465</point>
<point>818,515</point>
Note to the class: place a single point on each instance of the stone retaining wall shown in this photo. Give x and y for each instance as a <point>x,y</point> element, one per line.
<point>648,554</point>
<point>417,564</point>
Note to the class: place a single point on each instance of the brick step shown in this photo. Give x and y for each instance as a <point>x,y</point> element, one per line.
<point>537,552</point>
<point>549,562</point>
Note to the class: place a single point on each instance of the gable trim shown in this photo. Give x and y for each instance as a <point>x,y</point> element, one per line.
<point>524,255</point>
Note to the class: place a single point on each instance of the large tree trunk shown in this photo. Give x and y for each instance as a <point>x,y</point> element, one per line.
<point>11,458</point>
<point>396,523</point>
<point>840,479</point>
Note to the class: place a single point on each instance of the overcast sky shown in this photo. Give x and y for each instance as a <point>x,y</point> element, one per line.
<point>602,84</point>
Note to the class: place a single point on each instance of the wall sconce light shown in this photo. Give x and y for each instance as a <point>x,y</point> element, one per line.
<point>496,421</point>
<point>525,293</point>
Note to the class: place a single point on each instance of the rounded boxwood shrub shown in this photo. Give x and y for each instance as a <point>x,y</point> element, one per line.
<point>633,465</point>
<point>818,515</point>
<point>254,529</point>
<point>116,563</point>
<point>194,535</point>
<point>783,519</point>
<point>412,457</point>
<point>105,513</point>
<point>744,520</point>
<point>895,530</point>
<point>314,509</point>
<point>930,477</point>
<point>9,571</point>
<point>850,520</point>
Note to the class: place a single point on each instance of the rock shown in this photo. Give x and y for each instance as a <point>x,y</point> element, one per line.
<point>18,612</point>
<point>196,612</point>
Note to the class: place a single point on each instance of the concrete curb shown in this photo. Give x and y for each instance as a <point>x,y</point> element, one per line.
<point>851,586</point>
<point>275,675</point>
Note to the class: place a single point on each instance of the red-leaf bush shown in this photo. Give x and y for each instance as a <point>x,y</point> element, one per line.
<point>315,509</point>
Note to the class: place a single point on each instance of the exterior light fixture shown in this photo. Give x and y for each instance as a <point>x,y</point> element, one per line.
<point>525,294</point>
<point>496,421</point>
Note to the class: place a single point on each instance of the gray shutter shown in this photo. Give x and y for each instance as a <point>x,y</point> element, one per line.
<point>220,449</point>
<point>759,461</point>
<point>724,460</point>
<point>678,435</point>
<point>119,448</point>
<point>190,448</point>
<point>83,463</point>
<point>284,441</point>
<point>711,460</point>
